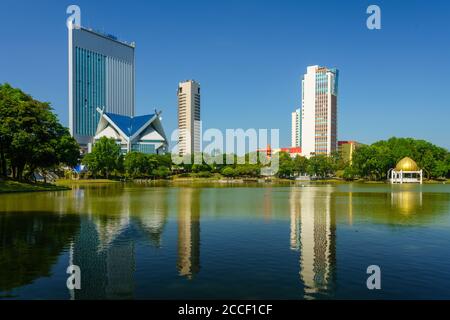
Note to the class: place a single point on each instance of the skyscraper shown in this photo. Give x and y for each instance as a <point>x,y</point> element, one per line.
<point>296,128</point>
<point>189,124</point>
<point>101,75</point>
<point>319,111</point>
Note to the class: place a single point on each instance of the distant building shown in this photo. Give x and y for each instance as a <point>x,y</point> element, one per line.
<point>189,125</point>
<point>296,128</point>
<point>319,111</point>
<point>292,151</point>
<point>101,75</point>
<point>142,133</point>
<point>346,150</point>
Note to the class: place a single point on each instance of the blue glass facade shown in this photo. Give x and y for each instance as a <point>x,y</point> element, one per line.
<point>90,93</point>
<point>143,147</point>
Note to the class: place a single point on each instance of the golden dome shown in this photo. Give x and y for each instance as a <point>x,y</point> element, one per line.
<point>406,164</point>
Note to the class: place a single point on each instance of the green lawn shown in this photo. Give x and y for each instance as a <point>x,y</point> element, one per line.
<point>15,186</point>
<point>68,182</point>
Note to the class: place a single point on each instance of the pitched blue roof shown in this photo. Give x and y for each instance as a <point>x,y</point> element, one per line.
<point>129,125</point>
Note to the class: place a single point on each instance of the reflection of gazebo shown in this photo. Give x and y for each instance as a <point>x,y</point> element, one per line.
<point>406,171</point>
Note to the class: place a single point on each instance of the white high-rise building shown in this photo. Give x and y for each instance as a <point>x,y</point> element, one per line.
<point>319,111</point>
<point>189,124</point>
<point>296,128</point>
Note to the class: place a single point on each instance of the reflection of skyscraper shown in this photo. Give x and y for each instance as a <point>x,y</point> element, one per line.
<point>107,272</point>
<point>313,233</point>
<point>188,232</point>
<point>267,203</point>
<point>295,223</point>
<point>120,266</point>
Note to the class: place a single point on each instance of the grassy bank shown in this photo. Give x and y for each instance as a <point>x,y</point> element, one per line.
<point>9,186</point>
<point>217,178</point>
<point>68,182</point>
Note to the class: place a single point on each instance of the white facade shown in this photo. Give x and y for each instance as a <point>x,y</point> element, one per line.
<point>189,123</point>
<point>406,176</point>
<point>296,129</point>
<point>319,111</point>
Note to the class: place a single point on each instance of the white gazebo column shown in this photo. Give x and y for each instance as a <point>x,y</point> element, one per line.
<point>421,176</point>
<point>401,177</point>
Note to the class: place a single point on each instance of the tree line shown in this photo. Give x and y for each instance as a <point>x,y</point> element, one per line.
<point>374,161</point>
<point>370,162</point>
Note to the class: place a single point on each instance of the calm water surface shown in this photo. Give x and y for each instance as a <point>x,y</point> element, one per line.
<point>168,242</point>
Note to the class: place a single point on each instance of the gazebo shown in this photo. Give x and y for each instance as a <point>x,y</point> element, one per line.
<point>406,171</point>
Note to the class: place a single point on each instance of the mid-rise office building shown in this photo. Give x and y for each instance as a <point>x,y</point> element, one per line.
<point>346,150</point>
<point>319,111</point>
<point>296,128</point>
<point>189,124</point>
<point>101,75</point>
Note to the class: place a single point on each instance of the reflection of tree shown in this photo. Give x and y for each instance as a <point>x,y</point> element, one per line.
<point>403,205</point>
<point>313,233</point>
<point>150,214</point>
<point>30,245</point>
<point>188,232</point>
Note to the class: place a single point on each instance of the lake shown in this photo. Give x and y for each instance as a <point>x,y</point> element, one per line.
<point>137,241</point>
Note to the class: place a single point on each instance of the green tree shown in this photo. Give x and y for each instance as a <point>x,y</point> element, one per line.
<point>285,166</point>
<point>31,136</point>
<point>161,172</point>
<point>300,165</point>
<point>105,157</point>
<point>349,173</point>
<point>136,164</point>
<point>321,166</point>
<point>228,172</point>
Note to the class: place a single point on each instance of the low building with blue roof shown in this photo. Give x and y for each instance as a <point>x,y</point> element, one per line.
<point>141,133</point>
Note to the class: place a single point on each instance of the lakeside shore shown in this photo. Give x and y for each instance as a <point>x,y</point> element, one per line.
<point>217,179</point>
<point>9,186</point>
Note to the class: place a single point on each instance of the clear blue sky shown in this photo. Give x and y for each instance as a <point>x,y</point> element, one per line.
<point>249,57</point>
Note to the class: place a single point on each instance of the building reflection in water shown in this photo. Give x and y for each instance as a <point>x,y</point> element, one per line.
<point>406,202</point>
<point>103,250</point>
<point>188,263</point>
<point>313,234</point>
<point>268,196</point>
